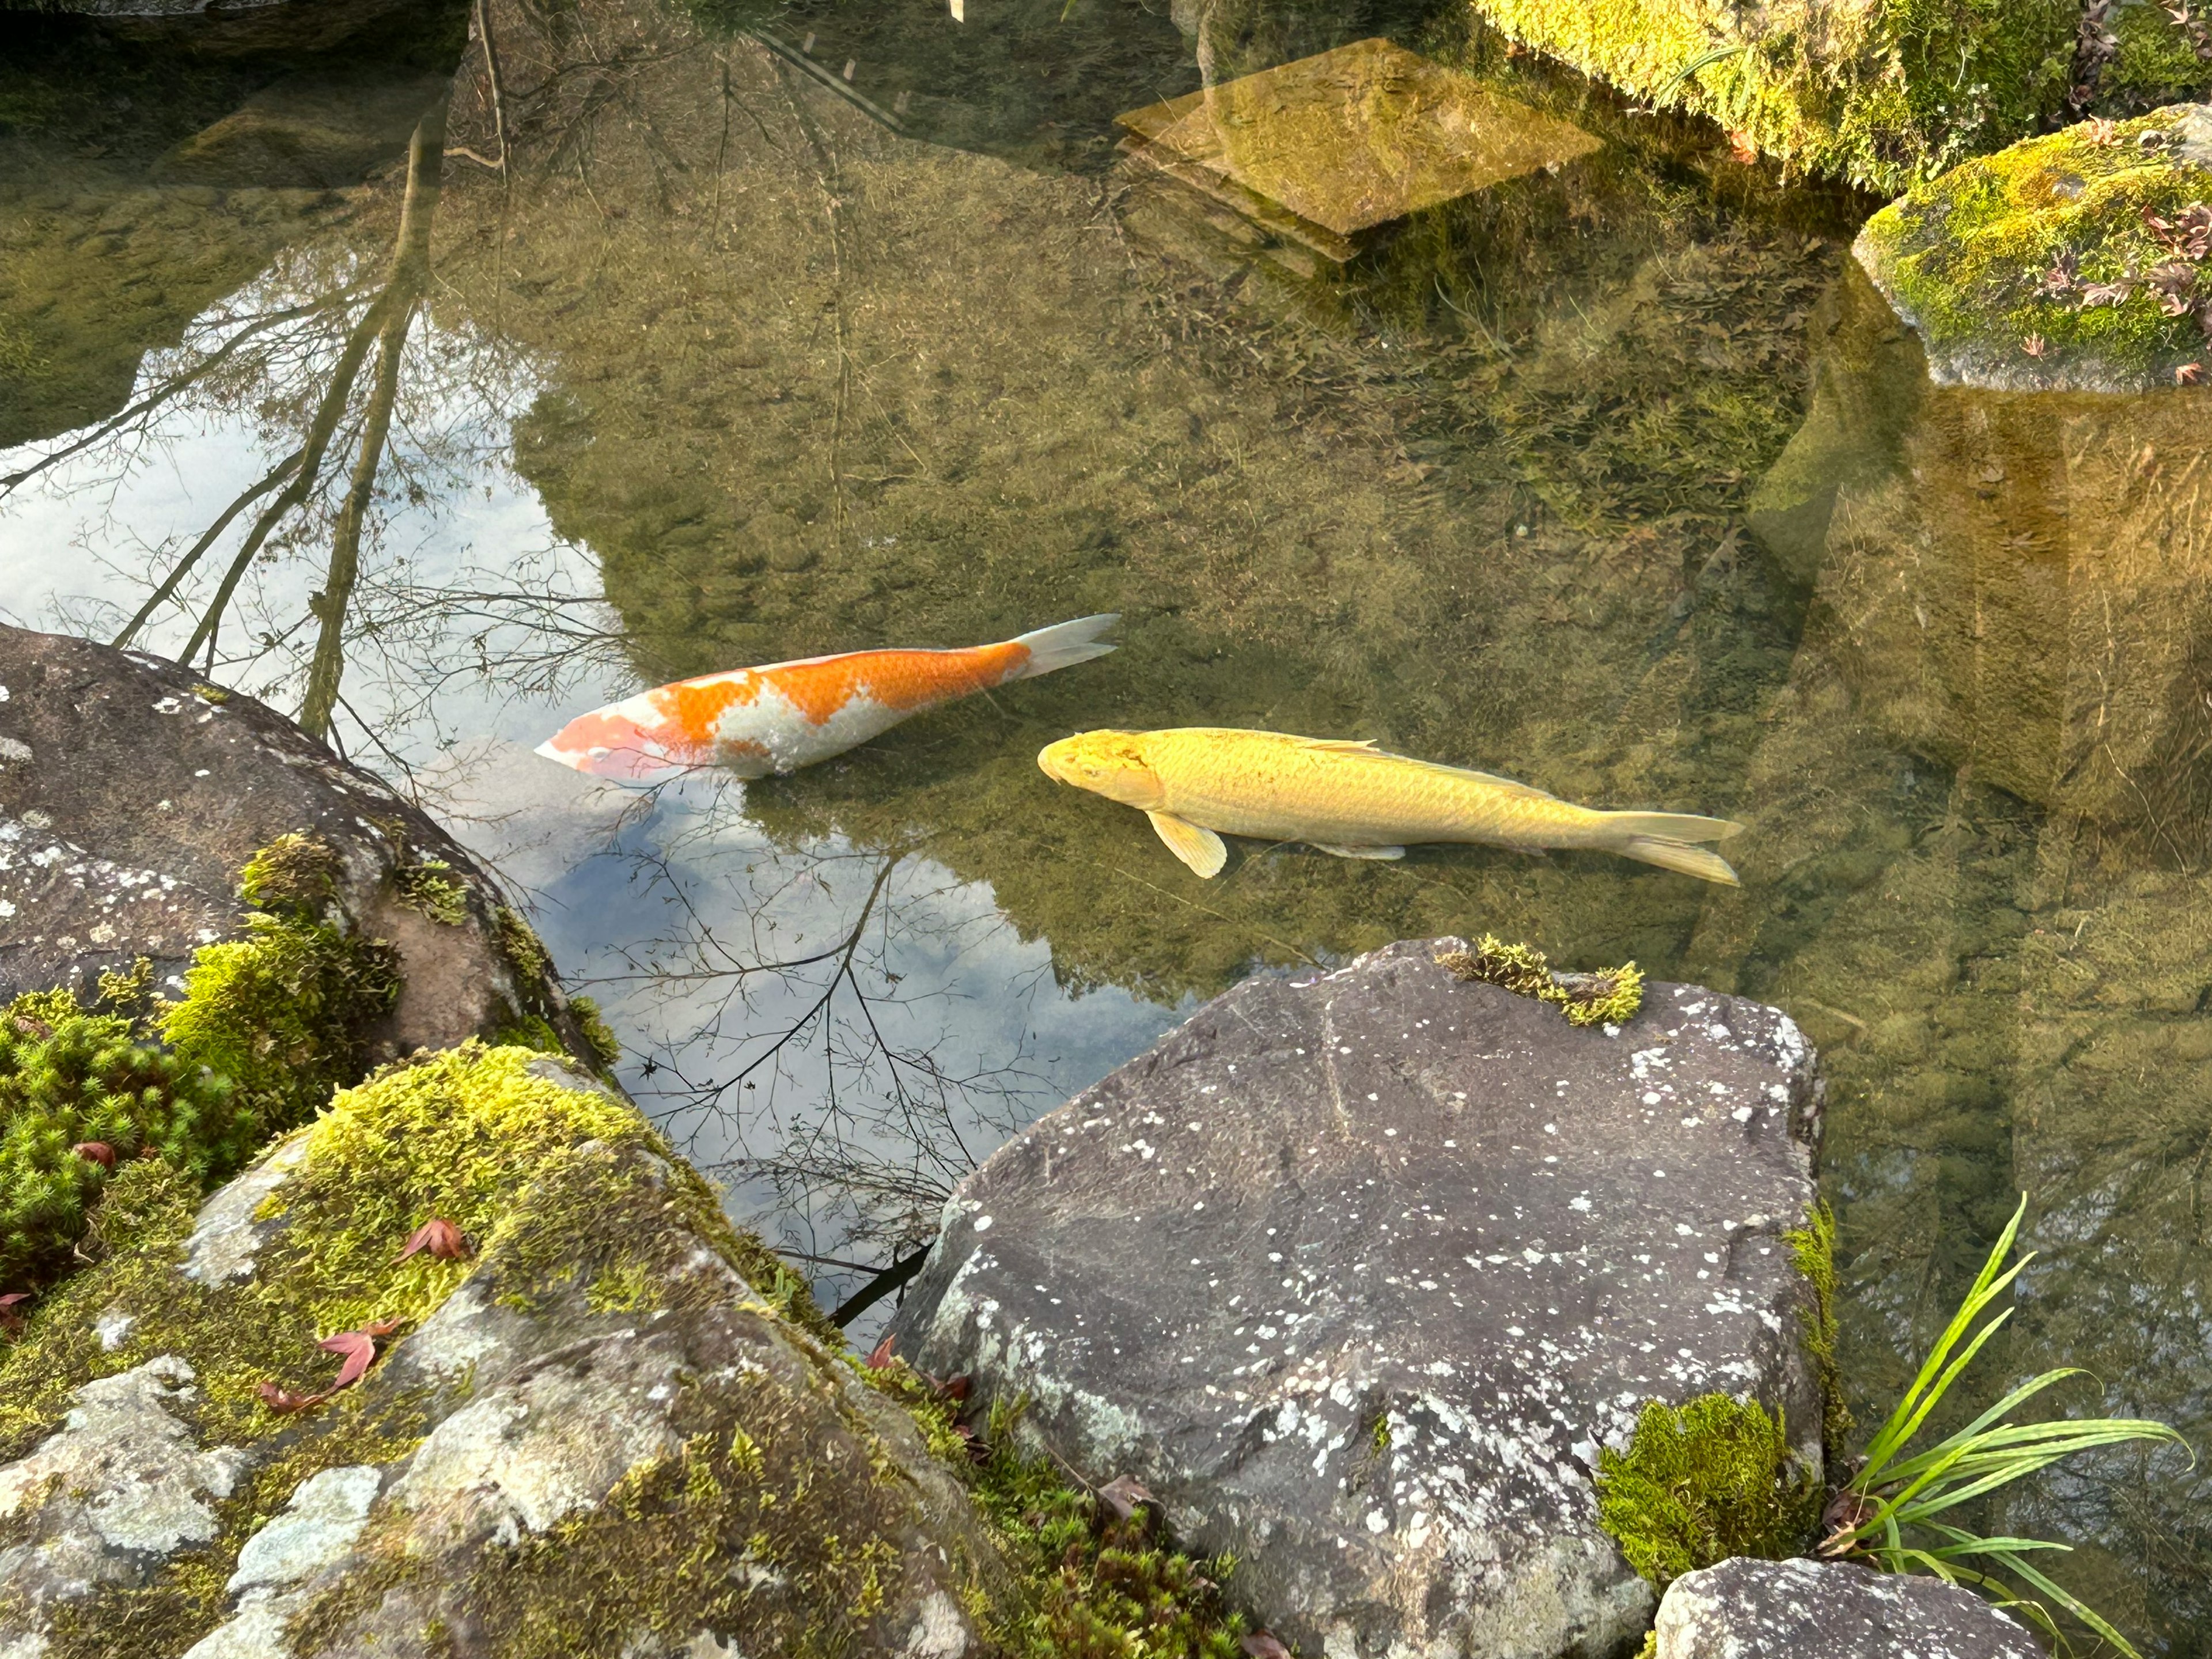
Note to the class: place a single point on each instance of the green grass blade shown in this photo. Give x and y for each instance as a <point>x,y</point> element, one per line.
<point>2075,1606</point>
<point>2027,1391</point>
<point>1987,1284</point>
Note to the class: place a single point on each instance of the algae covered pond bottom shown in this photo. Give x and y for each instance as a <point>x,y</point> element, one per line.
<point>443,379</point>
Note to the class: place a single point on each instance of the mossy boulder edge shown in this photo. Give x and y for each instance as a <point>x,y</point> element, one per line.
<point>2078,261</point>
<point>615,1426</point>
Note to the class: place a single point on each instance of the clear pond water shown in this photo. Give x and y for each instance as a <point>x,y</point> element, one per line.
<point>708,341</point>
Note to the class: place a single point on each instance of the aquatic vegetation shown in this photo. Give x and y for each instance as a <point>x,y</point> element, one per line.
<point>1611,996</point>
<point>1711,1478</point>
<point>2068,260</point>
<point>1886,1514</point>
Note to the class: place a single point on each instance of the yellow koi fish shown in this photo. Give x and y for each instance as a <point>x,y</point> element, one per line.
<point>1351,799</point>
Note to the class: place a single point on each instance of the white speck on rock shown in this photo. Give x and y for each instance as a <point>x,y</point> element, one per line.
<point>112,1327</point>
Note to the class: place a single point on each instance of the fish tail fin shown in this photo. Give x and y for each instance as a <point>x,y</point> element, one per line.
<point>1671,826</point>
<point>1063,645</point>
<point>1678,855</point>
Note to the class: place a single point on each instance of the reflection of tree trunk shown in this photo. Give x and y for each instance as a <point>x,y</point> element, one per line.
<point>410,270</point>
<point>387,319</point>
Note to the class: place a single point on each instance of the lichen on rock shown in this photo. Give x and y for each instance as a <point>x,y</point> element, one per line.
<point>2078,260</point>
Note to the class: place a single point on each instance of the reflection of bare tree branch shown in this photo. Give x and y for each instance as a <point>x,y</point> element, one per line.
<point>410,268</point>
<point>251,493</point>
<point>170,389</point>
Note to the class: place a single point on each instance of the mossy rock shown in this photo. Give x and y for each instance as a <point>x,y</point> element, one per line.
<point>265,879</point>
<point>1882,92</point>
<point>615,1425</point>
<point>2076,261</point>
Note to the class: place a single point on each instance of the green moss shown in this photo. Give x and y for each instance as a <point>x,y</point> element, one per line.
<point>526,953</point>
<point>432,888</point>
<point>2156,61</point>
<point>1093,1585</point>
<point>284,1011</point>
<point>599,1036</point>
<point>1965,257</point>
<point>1882,97</point>
<point>294,875</point>
<point>1612,996</point>
<point>72,1078</point>
<point>1814,1247</point>
<point>1702,1482</point>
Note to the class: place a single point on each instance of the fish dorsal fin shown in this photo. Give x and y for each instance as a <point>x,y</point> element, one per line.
<point>1200,849</point>
<point>1366,746</point>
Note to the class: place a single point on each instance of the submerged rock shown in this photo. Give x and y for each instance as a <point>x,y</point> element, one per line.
<point>617,1419</point>
<point>1745,1609</point>
<point>1357,1272</point>
<point>2080,261</point>
<point>133,796</point>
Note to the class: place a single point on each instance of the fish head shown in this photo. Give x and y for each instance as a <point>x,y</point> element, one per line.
<point>609,743</point>
<point>1109,763</point>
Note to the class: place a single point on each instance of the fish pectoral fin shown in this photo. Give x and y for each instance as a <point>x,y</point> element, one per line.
<point>1200,849</point>
<point>1358,852</point>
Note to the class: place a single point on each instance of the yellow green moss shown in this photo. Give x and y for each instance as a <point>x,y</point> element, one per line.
<point>599,1036</point>
<point>1699,1483</point>
<point>1881,96</point>
<point>1611,996</point>
<point>432,888</point>
<point>1814,1247</point>
<point>2012,259</point>
<point>2156,61</point>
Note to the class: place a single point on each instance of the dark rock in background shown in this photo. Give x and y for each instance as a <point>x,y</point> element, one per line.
<point>1357,1272</point>
<point>131,795</point>
<point>1744,1609</point>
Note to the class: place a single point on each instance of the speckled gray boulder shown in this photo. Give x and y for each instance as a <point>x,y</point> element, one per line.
<point>132,793</point>
<point>1356,1273</point>
<point>1744,1609</point>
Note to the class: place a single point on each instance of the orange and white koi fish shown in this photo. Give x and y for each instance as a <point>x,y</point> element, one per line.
<point>776,718</point>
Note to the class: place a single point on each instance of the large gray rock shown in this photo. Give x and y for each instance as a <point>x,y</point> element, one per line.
<point>598,1425</point>
<point>132,794</point>
<point>1357,1272</point>
<point>1745,1609</point>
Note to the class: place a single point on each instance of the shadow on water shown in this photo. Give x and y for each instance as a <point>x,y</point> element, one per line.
<point>699,351</point>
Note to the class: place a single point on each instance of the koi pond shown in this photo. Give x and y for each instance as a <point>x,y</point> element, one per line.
<point>663,339</point>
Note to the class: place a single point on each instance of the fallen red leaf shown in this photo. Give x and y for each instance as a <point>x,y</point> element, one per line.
<point>11,1313</point>
<point>95,1151</point>
<point>284,1401</point>
<point>956,1387</point>
<point>357,1349</point>
<point>1260,1645</point>
<point>879,1356</point>
<point>2189,375</point>
<point>1741,147</point>
<point>440,1237</point>
<point>1125,1495</point>
<point>14,1297</point>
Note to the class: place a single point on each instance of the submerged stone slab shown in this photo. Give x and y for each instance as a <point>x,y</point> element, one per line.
<point>1357,1272</point>
<point>1745,1609</point>
<point>1357,137</point>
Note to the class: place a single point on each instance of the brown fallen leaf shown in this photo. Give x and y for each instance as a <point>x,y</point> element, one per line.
<point>283,1400</point>
<point>2189,375</point>
<point>1262,1644</point>
<point>95,1151</point>
<point>1125,1495</point>
<point>11,1311</point>
<point>358,1349</point>
<point>956,1387</point>
<point>1741,148</point>
<point>979,1449</point>
<point>440,1237</point>
<point>2034,345</point>
<point>879,1356</point>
